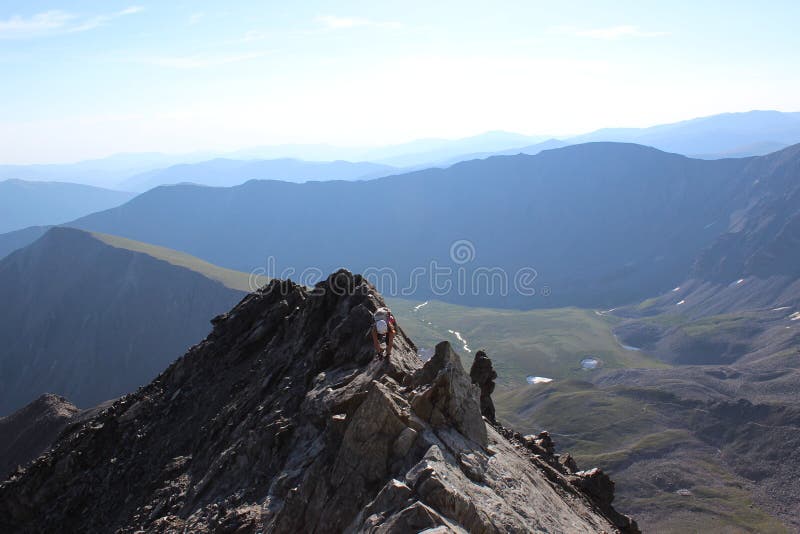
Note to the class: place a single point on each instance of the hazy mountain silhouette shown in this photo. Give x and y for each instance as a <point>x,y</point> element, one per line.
<point>717,134</point>
<point>229,172</point>
<point>115,170</point>
<point>429,151</point>
<point>11,241</point>
<point>531,150</point>
<point>105,172</point>
<point>91,317</point>
<point>24,204</point>
<point>727,135</point>
<point>410,154</point>
<point>758,148</point>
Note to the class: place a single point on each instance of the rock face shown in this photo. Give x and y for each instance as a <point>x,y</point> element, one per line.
<point>26,433</point>
<point>483,375</point>
<point>282,420</point>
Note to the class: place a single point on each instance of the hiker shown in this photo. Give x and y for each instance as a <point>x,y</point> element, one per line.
<point>384,328</point>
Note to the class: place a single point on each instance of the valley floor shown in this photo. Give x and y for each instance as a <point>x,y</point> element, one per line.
<point>662,432</point>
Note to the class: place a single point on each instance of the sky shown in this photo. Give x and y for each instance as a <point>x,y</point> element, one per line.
<point>86,79</point>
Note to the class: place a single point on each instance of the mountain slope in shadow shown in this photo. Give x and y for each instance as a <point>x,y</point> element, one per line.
<point>24,204</point>
<point>91,320</point>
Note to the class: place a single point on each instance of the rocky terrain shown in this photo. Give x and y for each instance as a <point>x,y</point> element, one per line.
<point>285,420</point>
<point>733,331</point>
<point>729,406</point>
<point>28,432</point>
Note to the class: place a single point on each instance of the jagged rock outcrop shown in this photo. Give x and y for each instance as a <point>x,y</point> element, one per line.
<point>483,375</point>
<point>283,420</point>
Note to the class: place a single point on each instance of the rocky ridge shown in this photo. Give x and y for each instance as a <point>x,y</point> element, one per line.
<point>284,420</point>
<point>29,431</point>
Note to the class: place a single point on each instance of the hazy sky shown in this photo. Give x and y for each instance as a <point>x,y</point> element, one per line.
<point>84,79</point>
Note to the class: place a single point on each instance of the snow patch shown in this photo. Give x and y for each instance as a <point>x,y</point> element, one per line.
<point>590,363</point>
<point>795,316</point>
<point>604,312</point>
<point>676,289</point>
<point>538,379</point>
<point>418,306</point>
<point>461,340</point>
<point>681,302</point>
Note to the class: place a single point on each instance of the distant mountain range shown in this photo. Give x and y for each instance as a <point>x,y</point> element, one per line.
<point>699,258</point>
<point>230,172</point>
<point>726,135</point>
<point>531,150</point>
<point>427,152</point>
<point>601,223</point>
<point>107,172</point>
<point>317,162</point>
<point>24,204</point>
<point>421,152</point>
<point>91,317</point>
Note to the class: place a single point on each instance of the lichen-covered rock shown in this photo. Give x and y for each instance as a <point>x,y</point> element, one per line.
<point>282,420</point>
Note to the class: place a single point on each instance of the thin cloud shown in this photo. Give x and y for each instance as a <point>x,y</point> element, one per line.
<point>611,33</point>
<point>41,22</point>
<point>199,61</point>
<point>55,22</point>
<point>253,36</point>
<point>195,18</point>
<point>131,10</point>
<point>335,22</point>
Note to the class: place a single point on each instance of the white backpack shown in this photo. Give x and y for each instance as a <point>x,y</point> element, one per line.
<point>381,318</point>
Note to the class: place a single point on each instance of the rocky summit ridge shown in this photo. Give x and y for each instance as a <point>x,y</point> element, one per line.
<point>284,420</point>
